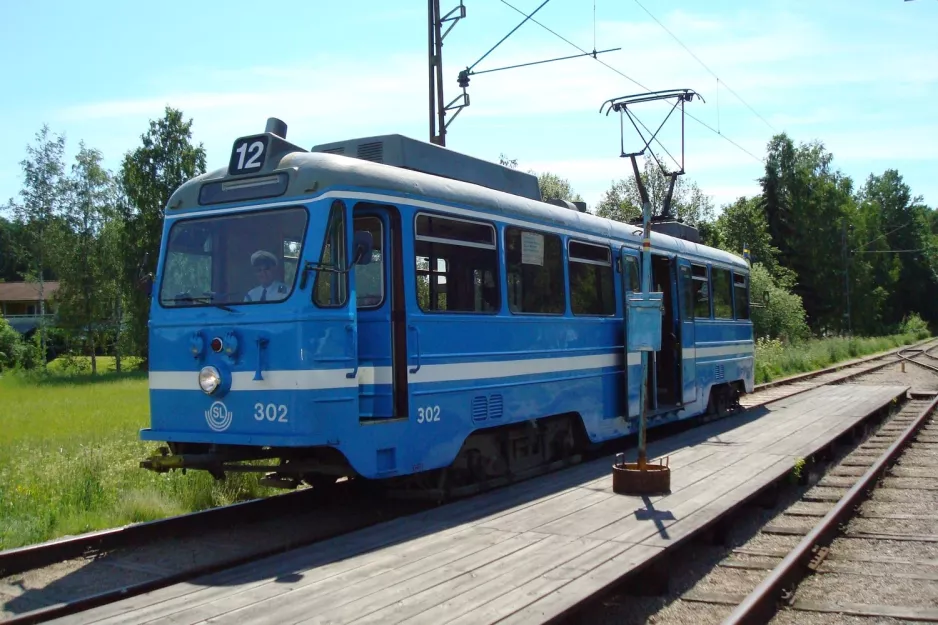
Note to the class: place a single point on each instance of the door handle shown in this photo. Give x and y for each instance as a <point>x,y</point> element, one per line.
<point>416,347</point>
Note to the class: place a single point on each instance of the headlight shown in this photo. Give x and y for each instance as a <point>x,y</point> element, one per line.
<point>209,379</point>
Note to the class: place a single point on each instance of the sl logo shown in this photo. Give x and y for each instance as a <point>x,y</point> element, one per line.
<point>218,417</point>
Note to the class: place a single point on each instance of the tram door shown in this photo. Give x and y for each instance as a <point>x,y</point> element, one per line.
<point>382,381</point>
<point>631,283</point>
<point>688,331</point>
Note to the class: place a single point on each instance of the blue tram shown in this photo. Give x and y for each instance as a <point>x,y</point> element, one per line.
<point>390,309</point>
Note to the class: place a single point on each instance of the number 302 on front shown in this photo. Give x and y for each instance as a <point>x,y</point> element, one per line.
<point>248,155</point>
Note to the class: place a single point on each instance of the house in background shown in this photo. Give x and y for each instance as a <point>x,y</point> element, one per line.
<point>21,306</point>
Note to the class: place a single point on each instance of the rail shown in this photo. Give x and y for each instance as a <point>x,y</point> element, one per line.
<point>762,603</point>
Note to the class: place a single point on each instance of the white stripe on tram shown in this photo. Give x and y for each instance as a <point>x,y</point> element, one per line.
<point>322,379</point>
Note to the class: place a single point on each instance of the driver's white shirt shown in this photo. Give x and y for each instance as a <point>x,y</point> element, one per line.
<point>276,291</point>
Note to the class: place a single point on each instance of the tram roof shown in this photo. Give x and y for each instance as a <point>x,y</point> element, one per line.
<point>317,172</point>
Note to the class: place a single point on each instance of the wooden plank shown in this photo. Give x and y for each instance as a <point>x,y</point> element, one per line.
<point>748,565</point>
<point>244,585</point>
<point>713,598</point>
<point>915,538</point>
<point>472,589</point>
<point>477,599</point>
<point>928,615</point>
<point>781,530</point>
<point>532,517</point>
<point>617,508</point>
<point>552,594</point>
<point>717,507</point>
<point>677,508</point>
<point>300,600</point>
<point>841,568</point>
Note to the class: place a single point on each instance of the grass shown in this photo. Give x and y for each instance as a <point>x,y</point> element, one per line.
<point>775,360</point>
<point>69,444</point>
<point>69,459</point>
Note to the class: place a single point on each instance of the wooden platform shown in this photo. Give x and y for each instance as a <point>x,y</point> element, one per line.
<point>523,554</point>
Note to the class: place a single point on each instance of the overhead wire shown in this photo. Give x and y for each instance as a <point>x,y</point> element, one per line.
<point>712,73</point>
<point>632,80</point>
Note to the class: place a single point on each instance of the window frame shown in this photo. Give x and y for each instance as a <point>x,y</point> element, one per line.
<point>184,219</point>
<point>384,289</point>
<point>585,261</point>
<point>705,279</point>
<point>731,294</point>
<point>458,243</point>
<point>336,204</point>
<point>565,278</point>
<point>745,287</point>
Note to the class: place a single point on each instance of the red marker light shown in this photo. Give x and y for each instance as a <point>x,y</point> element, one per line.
<point>216,345</point>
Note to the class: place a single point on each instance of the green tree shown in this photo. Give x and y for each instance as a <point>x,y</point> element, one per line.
<point>904,252</point>
<point>806,205</point>
<point>12,266</point>
<point>553,187</point>
<point>743,224</point>
<point>622,201</point>
<point>149,175</point>
<point>87,276</point>
<point>41,202</point>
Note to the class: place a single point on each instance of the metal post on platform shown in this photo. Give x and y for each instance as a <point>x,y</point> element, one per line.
<point>646,288</point>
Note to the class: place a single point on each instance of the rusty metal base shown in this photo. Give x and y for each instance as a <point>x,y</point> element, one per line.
<point>627,479</point>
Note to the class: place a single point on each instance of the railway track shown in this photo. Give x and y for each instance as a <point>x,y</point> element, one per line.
<point>857,538</point>
<point>846,562</point>
<point>271,525</point>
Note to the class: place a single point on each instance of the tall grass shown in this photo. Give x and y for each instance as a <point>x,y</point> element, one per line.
<point>69,459</point>
<point>775,360</point>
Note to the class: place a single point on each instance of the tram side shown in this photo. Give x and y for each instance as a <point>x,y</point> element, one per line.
<point>514,320</point>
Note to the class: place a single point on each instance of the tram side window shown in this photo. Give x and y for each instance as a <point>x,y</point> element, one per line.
<point>701,292</point>
<point>535,272</point>
<point>722,294</point>
<point>591,287</point>
<point>741,291</point>
<point>369,279</point>
<point>632,282</point>
<point>456,265</point>
<point>687,293</point>
<point>331,288</point>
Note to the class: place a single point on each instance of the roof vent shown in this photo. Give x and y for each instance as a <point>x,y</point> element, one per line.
<point>574,206</point>
<point>428,158</point>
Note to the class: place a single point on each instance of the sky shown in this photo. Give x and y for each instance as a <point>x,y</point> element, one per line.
<point>859,75</point>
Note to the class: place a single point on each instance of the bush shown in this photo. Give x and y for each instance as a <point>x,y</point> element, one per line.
<point>11,345</point>
<point>781,314</point>
<point>914,325</point>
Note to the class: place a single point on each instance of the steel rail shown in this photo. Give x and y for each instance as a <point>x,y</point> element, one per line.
<point>21,559</point>
<point>762,603</point>
<point>902,353</point>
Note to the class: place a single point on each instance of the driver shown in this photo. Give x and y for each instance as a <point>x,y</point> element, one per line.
<point>264,264</point>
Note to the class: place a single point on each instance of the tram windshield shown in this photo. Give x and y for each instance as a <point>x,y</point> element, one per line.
<point>246,258</point>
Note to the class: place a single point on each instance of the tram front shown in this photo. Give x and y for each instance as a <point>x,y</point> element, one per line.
<point>252,352</point>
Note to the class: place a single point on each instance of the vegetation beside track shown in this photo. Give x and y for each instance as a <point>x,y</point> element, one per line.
<point>775,359</point>
<point>70,453</point>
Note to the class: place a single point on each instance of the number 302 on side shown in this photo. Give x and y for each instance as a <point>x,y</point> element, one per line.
<point>428,414</point>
